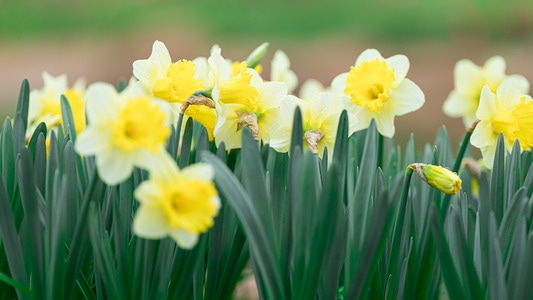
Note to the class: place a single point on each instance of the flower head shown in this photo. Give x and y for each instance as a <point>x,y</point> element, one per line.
<point>175,83</point>
<point>245,100</point>
<point>177,203</point>
<point>469,79</point>
<point>125,130</point>
<point>509,112</point>
<point>320,120</point>
<point>377,89</point>
<point>45,104</point>
<point>438,177</point>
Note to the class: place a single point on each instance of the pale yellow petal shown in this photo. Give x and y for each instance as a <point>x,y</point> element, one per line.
<point>150,222</point>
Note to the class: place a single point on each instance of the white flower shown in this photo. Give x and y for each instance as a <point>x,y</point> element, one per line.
<point>180,204</point>
<point>377,89</point>
<point>125,130</point>
<point>469,79</point>
<point>280,71</point>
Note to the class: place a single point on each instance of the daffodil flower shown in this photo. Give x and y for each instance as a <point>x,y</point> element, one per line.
<point>508,111</point>
<point>245,100</point>
<point>280,71</point>
<point>175,83</point>
<point>320,120</point>
<point>45,104</point>
<point>377,89</point>
<point>469,79</point>
<point>125,130</point>
<point>177,203</point>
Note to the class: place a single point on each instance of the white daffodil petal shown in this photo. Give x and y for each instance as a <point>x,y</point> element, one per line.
<point>150,222</point>
<point>113,167</point>
<point>400,64</point>
<point>487,104</point>
<point>407,97</point>
<point>92,141</point>
<point>184,239</point>
<point>368,54</point>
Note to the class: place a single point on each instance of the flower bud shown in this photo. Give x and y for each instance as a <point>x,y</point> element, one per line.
<point>256,56</point>
<point>438,177</point>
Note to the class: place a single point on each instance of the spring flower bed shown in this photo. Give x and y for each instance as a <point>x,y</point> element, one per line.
<point>198,174</point>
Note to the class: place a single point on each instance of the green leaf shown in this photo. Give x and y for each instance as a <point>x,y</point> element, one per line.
<point>23,103</point>
<point>497,191</point>
<point>10,240</point>
<point>186,144</point>
<point>18,286</point>
<point>32,202</point>
<point>262,248</point>
<point>68,119</point>
<point>497,288</point>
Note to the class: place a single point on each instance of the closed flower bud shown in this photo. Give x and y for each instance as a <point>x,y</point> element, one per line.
<point>256,56</point>
<point>438,177</point>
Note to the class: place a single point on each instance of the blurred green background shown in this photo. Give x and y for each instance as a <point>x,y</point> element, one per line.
<point>98,40</point>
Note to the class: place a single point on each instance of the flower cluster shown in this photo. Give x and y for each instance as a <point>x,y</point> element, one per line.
<point>129,129</point>
<point>494,104</point>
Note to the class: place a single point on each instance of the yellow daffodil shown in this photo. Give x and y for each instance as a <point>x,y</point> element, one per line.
<point>469,79</point>
<point>320,119</point>
<point>438,177</point>
<point>125,130</point>
<point>45,104</point>
<point>177,203</point>
<point>175,83</point>
<point>508,111</point>
<point>280,71</point>
<point>245,100</point>
<point>377,89</point>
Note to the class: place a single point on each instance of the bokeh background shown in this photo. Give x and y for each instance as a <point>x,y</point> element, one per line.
<point>99,40</point>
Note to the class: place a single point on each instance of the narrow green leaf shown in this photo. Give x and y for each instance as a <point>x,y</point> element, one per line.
<point>31,205</point>
<point>8,158</point>
<point>451,278</point>
<point>261,248</point>
<point>68,119</point>
<point>23,103</point>
<point>297,132</point>
<point>497,190</point>
<point>186,144</point>
<point>16,285</point>
<point>497,288</point>
<point>10,240</point>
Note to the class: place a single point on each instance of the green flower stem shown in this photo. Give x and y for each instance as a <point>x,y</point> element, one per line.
<point>398,227</point>
<point>458,160</point>
<point>381,141</point>
<point>178,132</point>
<point>462,149</point>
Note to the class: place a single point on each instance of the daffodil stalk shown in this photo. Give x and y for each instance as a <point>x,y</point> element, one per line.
<point>464,144</point>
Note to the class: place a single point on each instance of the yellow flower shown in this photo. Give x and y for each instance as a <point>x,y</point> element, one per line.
<point>245,100</point>
<point>125,130</point>
<point>377,89</point>
<point>45,104</point>
<point>469,79</point>
<point>438,177</point>
<point>175,83</point>
<point>508,111</point>
<point>320,120</point>
<point>177,203</point>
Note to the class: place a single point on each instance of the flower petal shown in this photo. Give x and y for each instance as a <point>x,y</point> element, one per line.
<point>487,104</point>
<point>150,222</point>
<point>385,122</point>
<point>101,103</point>
<point>368,54</point>
<point>184,239</point>
<point>339,83</point>
<point>407,97</point>
<point>400,64</point>
<point>113,167</point>
<point>92,141</point>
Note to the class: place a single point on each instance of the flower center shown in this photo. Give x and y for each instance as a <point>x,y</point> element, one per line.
<point>237,90</point>
<point>369,84</point>
<point>187,204</point>
<point>179,83</point>
<point>141,124</point>
<point>506,123</point>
